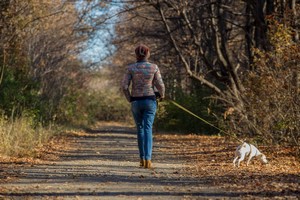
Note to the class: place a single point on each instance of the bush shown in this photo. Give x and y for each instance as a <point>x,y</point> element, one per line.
<point>272,90</point>
<point>89,106</point>
<point>170,117</point>
<point>18,93</point>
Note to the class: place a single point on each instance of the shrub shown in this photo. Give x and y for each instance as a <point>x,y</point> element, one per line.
<point>169,117</point>
<point>272,89</point>
<point>89,106</point>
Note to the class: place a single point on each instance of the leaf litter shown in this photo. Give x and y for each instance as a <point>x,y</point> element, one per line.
<point>210,160</point>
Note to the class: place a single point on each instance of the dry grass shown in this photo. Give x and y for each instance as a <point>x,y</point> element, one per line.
<point>18,138</point>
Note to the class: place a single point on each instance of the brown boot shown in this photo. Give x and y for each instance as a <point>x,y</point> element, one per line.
<point>148,164</point>
<point>142,163</point>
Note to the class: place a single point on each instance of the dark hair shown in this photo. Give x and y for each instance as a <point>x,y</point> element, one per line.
<point>141,52</point>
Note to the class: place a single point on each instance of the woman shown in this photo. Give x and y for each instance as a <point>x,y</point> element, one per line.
<point>144,77</point>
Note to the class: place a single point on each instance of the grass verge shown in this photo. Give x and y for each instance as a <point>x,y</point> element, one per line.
<point>18,138</point>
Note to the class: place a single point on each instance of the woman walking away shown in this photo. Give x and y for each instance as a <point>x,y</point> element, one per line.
<point>143,77</point>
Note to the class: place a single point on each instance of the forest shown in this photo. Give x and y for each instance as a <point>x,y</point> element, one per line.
<point>235,63</point>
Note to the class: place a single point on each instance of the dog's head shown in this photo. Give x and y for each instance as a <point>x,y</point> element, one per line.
<point>263,158</point>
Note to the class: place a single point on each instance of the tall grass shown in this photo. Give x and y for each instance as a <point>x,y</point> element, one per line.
<point>19,138</point>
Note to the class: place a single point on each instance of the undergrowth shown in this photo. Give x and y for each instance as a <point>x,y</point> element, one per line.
<point>20,138</point>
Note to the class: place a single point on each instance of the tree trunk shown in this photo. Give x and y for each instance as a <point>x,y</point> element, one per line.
<point>3,7</point>
<point>260,29</point>
<point>249,35</point>
<point>294,22</point>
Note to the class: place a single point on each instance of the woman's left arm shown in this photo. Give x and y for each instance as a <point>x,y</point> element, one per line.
<point>125,85</point>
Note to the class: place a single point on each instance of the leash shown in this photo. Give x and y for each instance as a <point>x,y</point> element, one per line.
<point>205,121</point>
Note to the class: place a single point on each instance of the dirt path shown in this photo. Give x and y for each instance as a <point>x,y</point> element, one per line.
<point>103,164</point>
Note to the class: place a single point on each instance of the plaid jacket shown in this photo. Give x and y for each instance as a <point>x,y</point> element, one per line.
<point>145,77</point>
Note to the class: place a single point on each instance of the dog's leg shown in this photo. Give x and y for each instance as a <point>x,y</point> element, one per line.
<point>248,161</point>
<point>241,159</point>
<point>234,161</point>
<point>250,157</point>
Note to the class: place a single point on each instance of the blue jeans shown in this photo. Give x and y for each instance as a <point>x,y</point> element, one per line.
<point>144,113</point>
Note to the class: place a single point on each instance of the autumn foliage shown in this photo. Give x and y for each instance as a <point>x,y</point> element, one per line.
<point>39,70</point>
<point>234,63</point>
<point>272,88</point>
<point>245,53</point>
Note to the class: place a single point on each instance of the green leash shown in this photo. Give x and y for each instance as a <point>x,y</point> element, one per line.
<point>193,114</point>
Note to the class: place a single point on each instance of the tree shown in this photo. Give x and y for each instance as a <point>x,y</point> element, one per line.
<point>40,41</point>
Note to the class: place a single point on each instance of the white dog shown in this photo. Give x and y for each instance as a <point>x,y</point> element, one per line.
<point>246,149</point>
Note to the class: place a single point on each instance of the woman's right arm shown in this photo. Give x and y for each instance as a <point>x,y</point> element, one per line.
<point>159,84</point>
